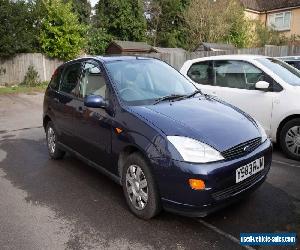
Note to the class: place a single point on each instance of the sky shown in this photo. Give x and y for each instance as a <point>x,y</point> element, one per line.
<point>93,2</point>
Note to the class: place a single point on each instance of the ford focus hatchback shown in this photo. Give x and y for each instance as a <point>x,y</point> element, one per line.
<point>146,126</point>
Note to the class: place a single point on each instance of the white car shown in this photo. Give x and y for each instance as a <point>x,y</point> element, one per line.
<point>266,88</point>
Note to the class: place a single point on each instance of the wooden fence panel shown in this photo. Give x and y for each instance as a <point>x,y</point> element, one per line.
<point>13,70</point>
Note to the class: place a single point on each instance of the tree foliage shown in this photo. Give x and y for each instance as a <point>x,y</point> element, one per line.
<point>62,36</point>
<point>166,26</point>
<point>122,19</point>
<point>266,36</point>
<point>98,41</point>
<point>216,21</point>
<point>64,28</point>
<point>240,29</point>
<point>18,33</point>
<point>83,10</point>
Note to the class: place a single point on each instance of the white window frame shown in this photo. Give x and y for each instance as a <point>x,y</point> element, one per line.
<point>280,15</point>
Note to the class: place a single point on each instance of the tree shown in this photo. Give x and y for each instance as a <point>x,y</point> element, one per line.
<point>17,29</point>
<point>267,36</point>
<point>83,10</point>
<point>217,21</point>
<point>62,36</point>
<point>98,41</point>
<point>122,19</point>
<point>240,31</point>
<point>166,26</point>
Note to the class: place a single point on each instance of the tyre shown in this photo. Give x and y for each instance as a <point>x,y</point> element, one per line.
<point>51,137</point>
<point>290,139</point>
<point>139,187</point>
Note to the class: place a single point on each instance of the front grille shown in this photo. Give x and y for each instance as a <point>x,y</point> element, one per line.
<point>242,149</point>
<point>236,188</point>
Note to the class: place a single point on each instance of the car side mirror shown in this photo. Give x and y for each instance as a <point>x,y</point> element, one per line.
<point>262,85</point>
<point>95,101</point>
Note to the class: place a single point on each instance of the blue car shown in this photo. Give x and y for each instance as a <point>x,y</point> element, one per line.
<point>142,123</point>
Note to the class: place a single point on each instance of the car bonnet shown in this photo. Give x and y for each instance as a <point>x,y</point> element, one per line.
<point>207,120</point>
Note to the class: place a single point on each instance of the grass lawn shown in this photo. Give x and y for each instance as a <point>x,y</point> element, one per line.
<point>22,89</point>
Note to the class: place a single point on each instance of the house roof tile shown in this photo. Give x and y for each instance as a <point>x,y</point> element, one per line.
<point>266,5</point>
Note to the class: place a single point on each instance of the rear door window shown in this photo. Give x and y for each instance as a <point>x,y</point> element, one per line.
<point>202,73</point>
<point>71,77</point>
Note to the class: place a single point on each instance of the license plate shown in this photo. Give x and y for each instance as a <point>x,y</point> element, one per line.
<point>250,169</point>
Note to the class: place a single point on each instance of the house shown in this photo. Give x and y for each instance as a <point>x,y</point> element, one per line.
<point>127,48</point>
<point>214,47</point>
<point>281,15</point>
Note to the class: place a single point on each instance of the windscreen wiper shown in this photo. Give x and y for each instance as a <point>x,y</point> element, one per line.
<point>168,97</point>
<point>198,91</point>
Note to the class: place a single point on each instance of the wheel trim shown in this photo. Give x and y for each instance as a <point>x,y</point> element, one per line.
<point>137,187</point>
<point>51,140</point>
<point>292,140</point>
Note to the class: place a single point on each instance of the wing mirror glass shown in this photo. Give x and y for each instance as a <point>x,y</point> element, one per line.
<point>95,101</point>
<point>262,85</point>
<point>94,71</point>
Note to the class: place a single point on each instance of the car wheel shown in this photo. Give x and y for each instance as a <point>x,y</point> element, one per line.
<point>51,136</point>
<point>139,187</point>
<point>290,139</point>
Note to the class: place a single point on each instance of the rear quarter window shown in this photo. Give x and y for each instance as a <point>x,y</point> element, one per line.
<point>55,79</point>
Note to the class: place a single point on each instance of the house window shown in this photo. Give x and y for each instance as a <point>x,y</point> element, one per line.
<point>280,21</point>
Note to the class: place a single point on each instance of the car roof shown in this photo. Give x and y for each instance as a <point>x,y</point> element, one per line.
<point>289,58</point>
<point>111,58</point>
<point>228,57</point>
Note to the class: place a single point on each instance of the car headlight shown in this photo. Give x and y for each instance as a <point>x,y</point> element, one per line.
<point>194,151</point>
<point>262,131</point>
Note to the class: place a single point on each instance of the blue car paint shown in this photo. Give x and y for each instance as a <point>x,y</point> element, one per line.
<point>147,127</point>
<point>203,119</point>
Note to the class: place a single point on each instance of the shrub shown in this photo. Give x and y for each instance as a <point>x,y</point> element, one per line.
<point>31,78</point>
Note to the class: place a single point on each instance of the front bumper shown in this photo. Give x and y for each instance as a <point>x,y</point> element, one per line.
<point>221,189</point>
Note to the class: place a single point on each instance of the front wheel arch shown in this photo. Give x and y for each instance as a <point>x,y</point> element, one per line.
<point>282,123</point>
<point>289,139</point>
<point>153,206</point>
<point>46,120</point>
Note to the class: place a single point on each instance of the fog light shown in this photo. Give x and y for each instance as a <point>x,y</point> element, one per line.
<point>197,184</point>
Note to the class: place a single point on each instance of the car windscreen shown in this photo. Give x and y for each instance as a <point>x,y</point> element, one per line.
<point>143,81</point>
<point>286,72</point>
